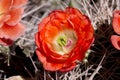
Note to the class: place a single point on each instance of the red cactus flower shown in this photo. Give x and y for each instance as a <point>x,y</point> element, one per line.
<point>10,14</point>
<point>115,39</point>
<point>63,39</point>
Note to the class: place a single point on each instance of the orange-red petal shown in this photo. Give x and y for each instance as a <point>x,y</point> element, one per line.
<point>115,41</point>
<point>47,65</point>
<point>5,5</point>
<point>4,8</point>
<point>68,67</point>
<point>18,3</point>
<point>58,15</point>
<point>37,40</point>
<point>15,16</point>
<point>3,19</point>
<point>12,32</point>
<point>73,11</point>
<point>43,23</point>
<point>116,21</point>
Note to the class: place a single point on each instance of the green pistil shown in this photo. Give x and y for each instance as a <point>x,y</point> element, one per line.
<point>62,41</point>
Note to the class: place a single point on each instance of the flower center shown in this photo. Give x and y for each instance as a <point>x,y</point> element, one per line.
<point>64,42</point>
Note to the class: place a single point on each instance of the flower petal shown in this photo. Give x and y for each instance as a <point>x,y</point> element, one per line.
<point>68,67</point>
<point>37,40</point>
<point>18,3</point>
<point>5,42</point>
<point>5,5</point>
<point>3,19</point>
<point>73,11</point>
<point>11,32</point>
<point>15,16</point>
<point>47,65</point>
<point>116,21</point>
<point>52,66</point>
<point>58,15</point>
<point>43,23</point>
<point>41,57</point>
<point>4,8</point>
<point>115,41</point>
<point>52,56</point>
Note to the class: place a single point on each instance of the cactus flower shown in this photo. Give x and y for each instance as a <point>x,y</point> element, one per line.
<point>10,14</point>
<point>63,38</point>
